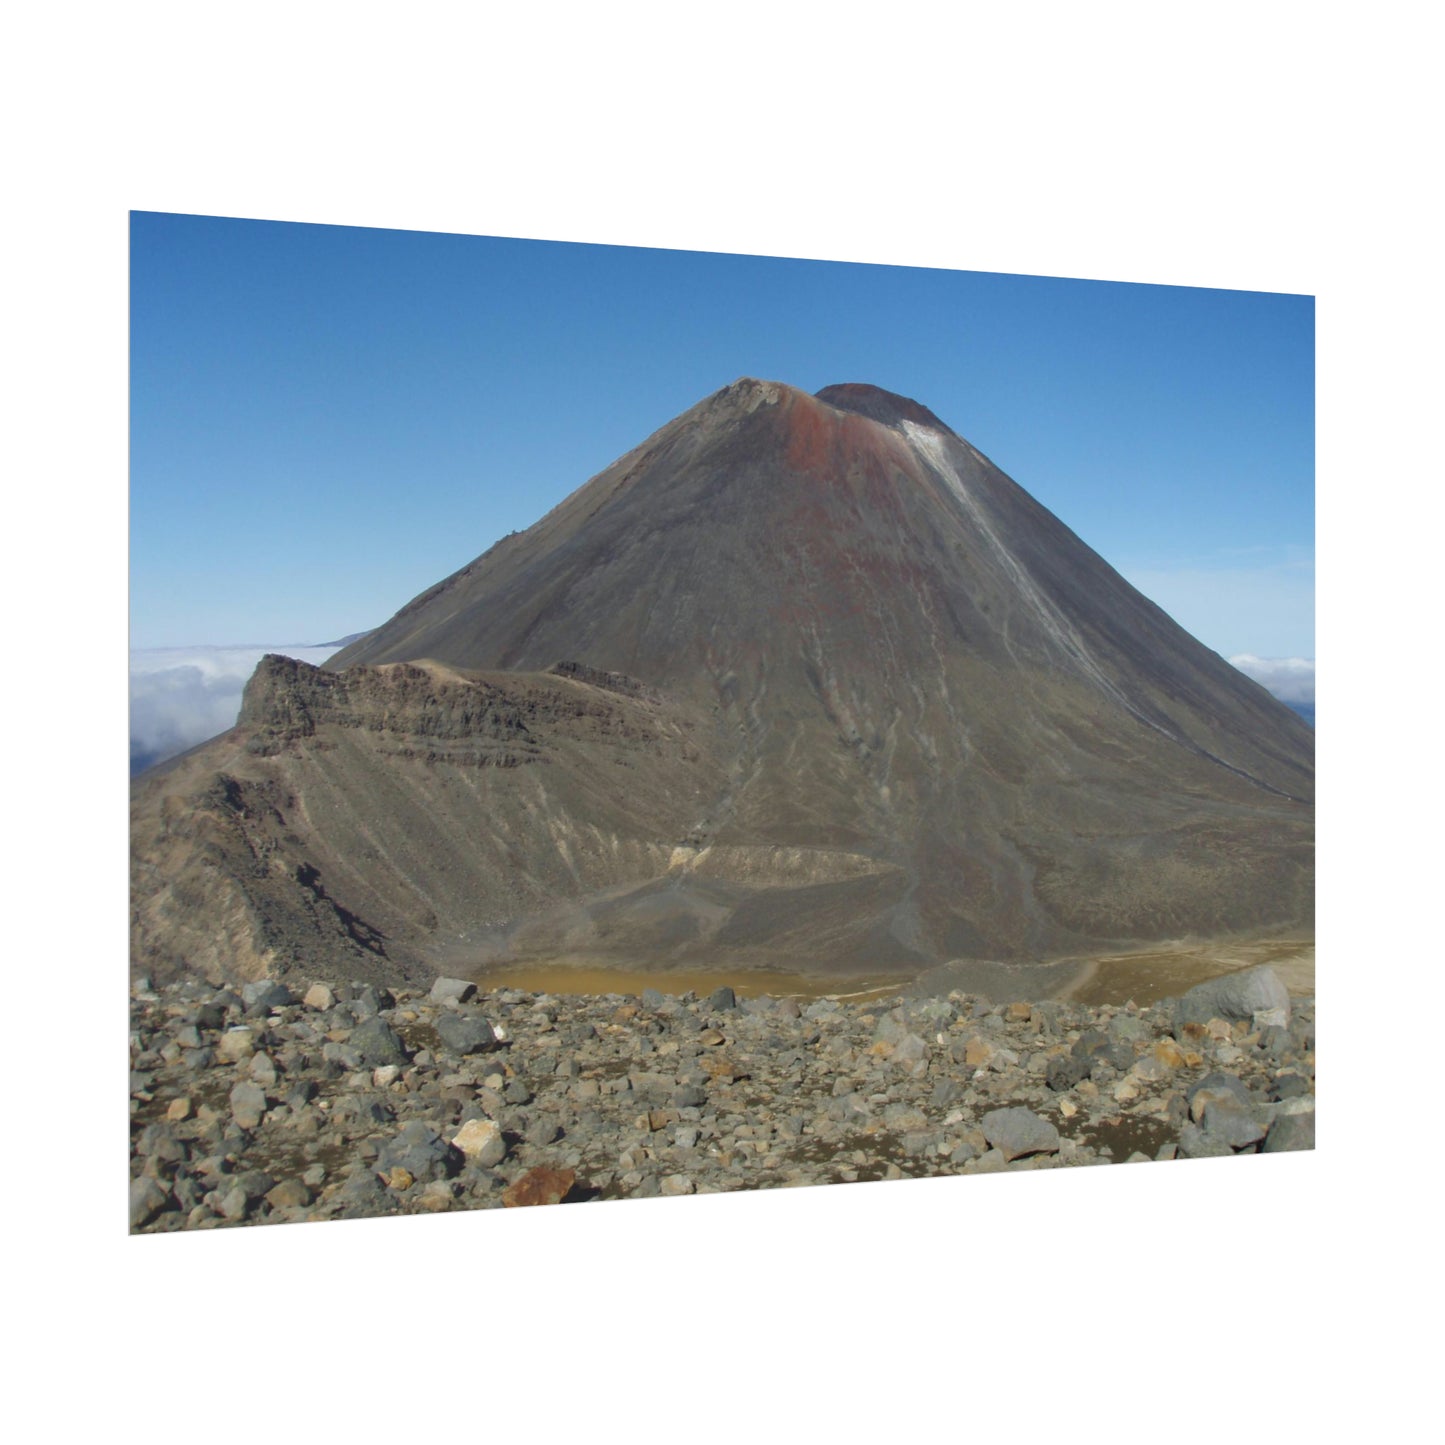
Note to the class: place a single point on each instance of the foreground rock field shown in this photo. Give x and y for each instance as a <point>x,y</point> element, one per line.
<point>262,1107</point>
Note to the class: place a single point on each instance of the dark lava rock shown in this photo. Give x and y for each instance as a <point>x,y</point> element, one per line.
<point>264,995</point>
<point>1065,1072</point>
<point>375,1042</point>
<point>463,1035</point>
<point>421,1151</point>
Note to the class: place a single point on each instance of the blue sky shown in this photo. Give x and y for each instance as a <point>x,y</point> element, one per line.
<point>326,420</point>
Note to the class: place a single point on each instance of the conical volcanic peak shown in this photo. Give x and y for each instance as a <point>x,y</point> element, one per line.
<point>879,709</point>
<point>879,405</point>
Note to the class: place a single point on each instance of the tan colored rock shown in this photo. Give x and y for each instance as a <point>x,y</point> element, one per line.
<point>319,997</point>
<point>289,1194</point>
<point>436,1197</point>
<point>179,1109</point>
<point>977,1052</point>
<point>1170,1054</point>
<point>400,1178</point>
<point>1020,1012</point>
<point>1068,1108</point>
<point>386,1075</point>
<point>235,1045</point>
<point>481,1139</point>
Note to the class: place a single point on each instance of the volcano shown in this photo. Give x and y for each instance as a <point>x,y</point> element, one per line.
<point>802,681</point>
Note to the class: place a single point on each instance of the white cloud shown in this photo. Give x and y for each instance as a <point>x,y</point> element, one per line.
<point>1290,679</point>
<point>180,697</point>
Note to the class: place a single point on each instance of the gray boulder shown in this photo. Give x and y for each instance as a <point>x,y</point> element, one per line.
<point>248,1104</point>
<point>147,1199</point>
<point>264,995</point>
<point>1289,1132</point>
<point>375,1042</point>
<point>1235,996</point>
<point>421,1151</point>
<point>464,1035</point>
<point>1196,1143</point>
<point>1231,1123</point>
<point>452,990</point>
<point>1018,1132</point>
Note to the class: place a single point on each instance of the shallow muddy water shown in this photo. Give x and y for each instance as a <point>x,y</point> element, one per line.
<point>1115,978</point>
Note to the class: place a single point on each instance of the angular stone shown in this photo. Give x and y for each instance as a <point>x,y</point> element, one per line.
<point>1168,1053</point>
<point>1194,1143</point>
<point>264,995</point>
<point>977,1052</point>
<point>452,990</point>
<point>1065,1071</point>
<point>1018,1132</point>
<point>542,1185</point>
<point>463,1035</point>
<point>235,1045</point>
<point>233,1204</point>
<point>374,1043</point>
<point>319,997</point>
<point>1290,1086</point>
<point>676,1184</point>
<point>421,1151</point>
<point>722,999</point>
<point>262,1069</point>
<point>248,1104</point>
<point>147,1199</point>
<point>289,1194</point>
<point>1290,1132</point>
<point>1214,1087</point>
<point>179,1109</point>
<point>481,1140</point>
<point>1233,1124</point>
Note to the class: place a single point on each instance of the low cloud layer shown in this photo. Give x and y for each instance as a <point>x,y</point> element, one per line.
<point>179,697</point>
<point>1290,679</point>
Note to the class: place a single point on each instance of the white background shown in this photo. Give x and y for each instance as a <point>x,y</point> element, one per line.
<point>1269,147</point>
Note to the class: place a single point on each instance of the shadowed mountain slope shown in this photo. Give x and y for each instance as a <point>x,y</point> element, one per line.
<point>863,705</point>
